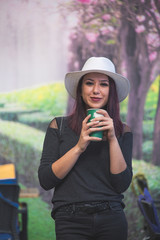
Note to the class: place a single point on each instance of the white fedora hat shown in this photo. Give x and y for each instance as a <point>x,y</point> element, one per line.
<point>100,65</point>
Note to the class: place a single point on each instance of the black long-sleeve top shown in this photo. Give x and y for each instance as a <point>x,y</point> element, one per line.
<point>90,179</point>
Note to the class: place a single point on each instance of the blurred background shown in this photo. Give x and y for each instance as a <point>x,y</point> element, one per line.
<point>42,40</point>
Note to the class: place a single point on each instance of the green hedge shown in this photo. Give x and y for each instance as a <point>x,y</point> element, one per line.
<point>39,120</point>
<point>11,112</point>
<point>50,98</point>
<point>21,145</point>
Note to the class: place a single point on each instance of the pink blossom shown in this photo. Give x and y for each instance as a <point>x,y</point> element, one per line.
<point>110,28</point>
<point>76,64</point>
<point>153,40</point>
<point>106,17</point>
<point>104,30</point>
<point>141,18</point>
<point>152,56</point>
<point>150,23</point>
<point>84,1</point>
<point>73,35</point>
<point>92,37</point>
<point>140,28</point>
<point>94,2</point>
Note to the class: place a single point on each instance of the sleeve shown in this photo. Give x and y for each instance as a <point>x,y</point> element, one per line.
<point>121,181</point>
<point>50,154</point>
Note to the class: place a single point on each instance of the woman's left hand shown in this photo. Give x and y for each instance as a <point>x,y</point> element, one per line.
<point>106,124</point>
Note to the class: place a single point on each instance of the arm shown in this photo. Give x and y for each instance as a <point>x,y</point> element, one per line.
<point>122,180</point>
<point>117,161</point>
<point>120,154</point>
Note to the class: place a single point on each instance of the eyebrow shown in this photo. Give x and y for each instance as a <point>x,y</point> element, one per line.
<point>102,80</point>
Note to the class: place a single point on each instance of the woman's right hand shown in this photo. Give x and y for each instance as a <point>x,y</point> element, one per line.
<point>87,128</point>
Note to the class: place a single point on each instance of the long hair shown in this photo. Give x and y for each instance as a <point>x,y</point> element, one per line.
<point>112,107</point>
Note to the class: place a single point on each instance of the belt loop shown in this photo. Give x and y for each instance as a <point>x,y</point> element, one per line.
<point>73,208</point>
<point>109,205</point>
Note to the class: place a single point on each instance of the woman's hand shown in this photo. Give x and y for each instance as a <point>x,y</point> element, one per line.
<point>106,124</point>
<point>87,128</point>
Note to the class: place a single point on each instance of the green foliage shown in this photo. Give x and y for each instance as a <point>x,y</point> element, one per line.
<point>2,104</point>
<point>152,100</point>
<point>151,172</point>
<point>147,150</point>
<point>123,105</point>
<point>148,127</point>
<point>149,113</point>
<point>123,116</point>
<point>39,120</point>
<point>51,98</point>
<point>11,112</point>
<point>40,224</point>
<point>21,145</point>
<point>111,42</point>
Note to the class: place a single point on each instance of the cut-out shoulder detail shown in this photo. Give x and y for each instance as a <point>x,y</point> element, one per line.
<point>53,124</point>
<point>126,128</point>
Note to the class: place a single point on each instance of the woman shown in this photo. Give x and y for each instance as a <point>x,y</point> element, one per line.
<point>89,174</point>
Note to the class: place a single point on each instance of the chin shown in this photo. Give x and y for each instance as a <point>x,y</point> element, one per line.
<point>95,106</point>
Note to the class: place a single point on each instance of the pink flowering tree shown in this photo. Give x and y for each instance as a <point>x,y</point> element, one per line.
<point>140,42</point>
<point>128,32</point>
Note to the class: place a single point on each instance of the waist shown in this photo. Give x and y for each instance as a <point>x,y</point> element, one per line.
<point>89,208</point>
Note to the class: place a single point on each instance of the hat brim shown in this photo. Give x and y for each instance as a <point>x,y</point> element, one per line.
<point>122,83</point>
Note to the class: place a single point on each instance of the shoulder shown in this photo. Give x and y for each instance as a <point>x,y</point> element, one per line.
<point>53,123</point>
<point>57,122</point>
<point>126,128</point>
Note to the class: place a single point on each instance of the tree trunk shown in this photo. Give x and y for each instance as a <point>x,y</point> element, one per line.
<point>134,53</point>
<point>135,120</point>
<point>156,144</point>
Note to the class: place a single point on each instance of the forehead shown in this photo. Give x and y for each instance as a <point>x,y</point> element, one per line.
<point>95,75</point>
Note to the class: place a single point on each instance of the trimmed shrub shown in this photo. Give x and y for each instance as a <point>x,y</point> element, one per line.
<point>39,120</point>
<point>50,98</point>
<point>11,112</point>
<point>21,145</point>
<point>2,104</point>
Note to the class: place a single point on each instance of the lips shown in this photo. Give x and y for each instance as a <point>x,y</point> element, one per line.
<point>95,99</point>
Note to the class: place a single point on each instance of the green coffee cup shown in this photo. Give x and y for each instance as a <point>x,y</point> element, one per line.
<point>94,114</point>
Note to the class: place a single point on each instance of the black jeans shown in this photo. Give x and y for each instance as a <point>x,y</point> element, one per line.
<point>110,224</point>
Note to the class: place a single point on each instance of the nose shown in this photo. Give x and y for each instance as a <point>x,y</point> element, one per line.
<point>96,89</point>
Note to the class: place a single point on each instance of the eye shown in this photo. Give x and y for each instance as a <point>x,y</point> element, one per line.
<point>105,84</point>
<point>89,82</point>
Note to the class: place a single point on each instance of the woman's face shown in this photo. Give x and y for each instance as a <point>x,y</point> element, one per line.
<point>95,90</point>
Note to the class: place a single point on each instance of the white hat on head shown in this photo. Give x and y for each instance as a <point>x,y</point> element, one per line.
<point>100,65</point>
